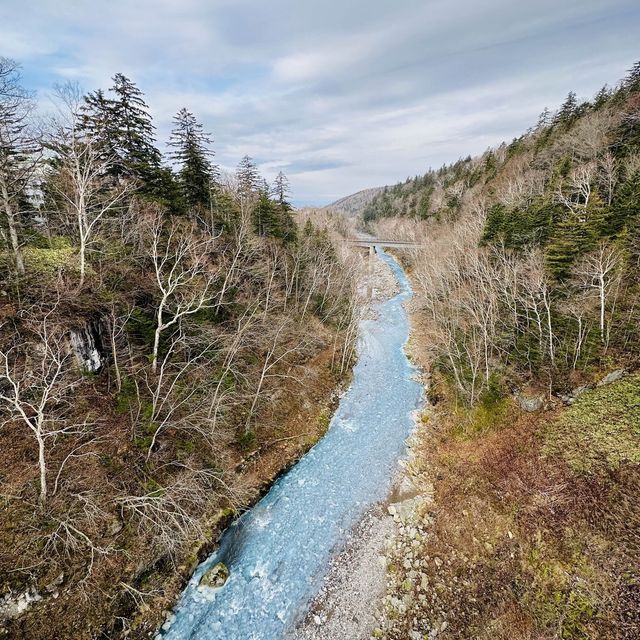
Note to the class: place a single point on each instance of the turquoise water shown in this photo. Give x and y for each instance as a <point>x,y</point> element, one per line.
<point>279,551</point>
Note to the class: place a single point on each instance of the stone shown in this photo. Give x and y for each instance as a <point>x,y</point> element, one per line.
<point>530,405</point>
<point>215,577</point>
<point>614,376</point>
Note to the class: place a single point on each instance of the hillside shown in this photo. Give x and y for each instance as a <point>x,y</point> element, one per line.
<point>526,324</point>
<point>354,204</point>
<point>169,344</point>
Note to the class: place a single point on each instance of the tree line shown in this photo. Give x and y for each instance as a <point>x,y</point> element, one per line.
<point>160,321</point>
<point>529,271</point>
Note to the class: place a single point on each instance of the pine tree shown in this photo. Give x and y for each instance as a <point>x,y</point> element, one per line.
<point>568,110</point>
<point>192,154</point>
<point>98,122</point>
<point>134,132</point>
<point>632,80</point>
<point>544,119</point>
<point>248,177</point>
<point>19,155</point>
<point>280,191</point>
<point>265,216</point>
<point>626,205</point>
<point>602,97</point>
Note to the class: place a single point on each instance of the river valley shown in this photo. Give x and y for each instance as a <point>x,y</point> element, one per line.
<point>278,552</point>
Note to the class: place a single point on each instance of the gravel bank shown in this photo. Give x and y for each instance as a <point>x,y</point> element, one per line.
<point>351,604</point>
<point>355,584</point>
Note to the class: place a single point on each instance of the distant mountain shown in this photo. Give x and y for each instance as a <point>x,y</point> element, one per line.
<point>356,203</point>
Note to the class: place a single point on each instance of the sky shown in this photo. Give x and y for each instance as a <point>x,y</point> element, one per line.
<point>340,95</point>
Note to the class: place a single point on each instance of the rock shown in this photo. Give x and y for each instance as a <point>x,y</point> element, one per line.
<point>405,491</point>
<point>215,577</point>
<point>578,391</point>
<point>404,511</point>
<point>614,376</point>
<point>570,398</point>
<point>86,345</point>
<point>530,404</point>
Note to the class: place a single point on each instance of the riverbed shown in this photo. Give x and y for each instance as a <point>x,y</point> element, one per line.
<point>278,552</point>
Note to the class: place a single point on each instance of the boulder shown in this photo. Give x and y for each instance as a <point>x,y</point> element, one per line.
<point>216,576</point>
<point>614,376</point>
<point>530,404</point>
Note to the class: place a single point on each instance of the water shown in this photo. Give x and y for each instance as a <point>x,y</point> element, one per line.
<point>279,551</point>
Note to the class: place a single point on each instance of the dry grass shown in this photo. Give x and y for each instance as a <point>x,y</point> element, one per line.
<point>132,584</point>
<point>525,545</point>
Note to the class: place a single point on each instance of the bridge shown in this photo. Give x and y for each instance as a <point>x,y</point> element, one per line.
<point>370,243</point>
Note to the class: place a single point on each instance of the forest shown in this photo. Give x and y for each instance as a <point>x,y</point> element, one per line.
<point>537,247</point>
<point>526,319</point>
<point>171,337</point>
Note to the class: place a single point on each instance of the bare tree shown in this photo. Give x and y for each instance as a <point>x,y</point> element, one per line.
<point>577,193</point>
<point>20,151</point>
<point>183,275</point>
<point>171,514</point>
<point>276,353</point>
<point>82,181</point>
<point>600,272</point>
<point>36,387</point>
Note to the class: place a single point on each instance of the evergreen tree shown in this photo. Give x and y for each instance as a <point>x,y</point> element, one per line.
<point>544,119</point>
<point>19,156</point>
<point>625,208</point>
<point>632,80</point>
<point>98,122</point>
<point>280,191</point>
<point>602,97</point>
<point>248,178</point>
<point>265,216</point>
<point>568,110</point>
<point>134,132</point>
<point>192,153</point>
<point>575,236</point>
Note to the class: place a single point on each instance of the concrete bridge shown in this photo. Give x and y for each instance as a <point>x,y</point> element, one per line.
<point>370,243</point>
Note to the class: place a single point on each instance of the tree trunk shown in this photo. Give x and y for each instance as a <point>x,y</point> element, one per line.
<point>13,230</point>
<point>43,472</point>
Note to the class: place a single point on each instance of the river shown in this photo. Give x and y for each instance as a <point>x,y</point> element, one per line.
<point>278,552</point>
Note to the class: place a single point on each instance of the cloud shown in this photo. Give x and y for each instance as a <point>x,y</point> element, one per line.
<point>340,95</point>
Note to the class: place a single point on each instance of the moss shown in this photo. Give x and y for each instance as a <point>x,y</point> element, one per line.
<point>60,255</point>
<point>323,420</point>
<point>247,440</point>
<point>560,594</point>
<point>601,431</point>
<point>484,417</point>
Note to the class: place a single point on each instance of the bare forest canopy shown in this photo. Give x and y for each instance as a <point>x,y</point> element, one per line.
<point>527,282</point>
<point>529,266</point>
<point>161,324</point>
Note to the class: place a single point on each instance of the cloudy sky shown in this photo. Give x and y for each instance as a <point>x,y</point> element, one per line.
<point>339,94</point>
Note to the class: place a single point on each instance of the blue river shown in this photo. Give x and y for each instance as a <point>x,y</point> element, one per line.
<point>279,551</point>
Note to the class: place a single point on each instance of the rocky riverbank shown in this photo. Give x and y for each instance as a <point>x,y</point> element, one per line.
<point>352,603</point>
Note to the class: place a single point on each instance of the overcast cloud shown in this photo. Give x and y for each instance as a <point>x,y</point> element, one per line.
<point>339,94</point>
